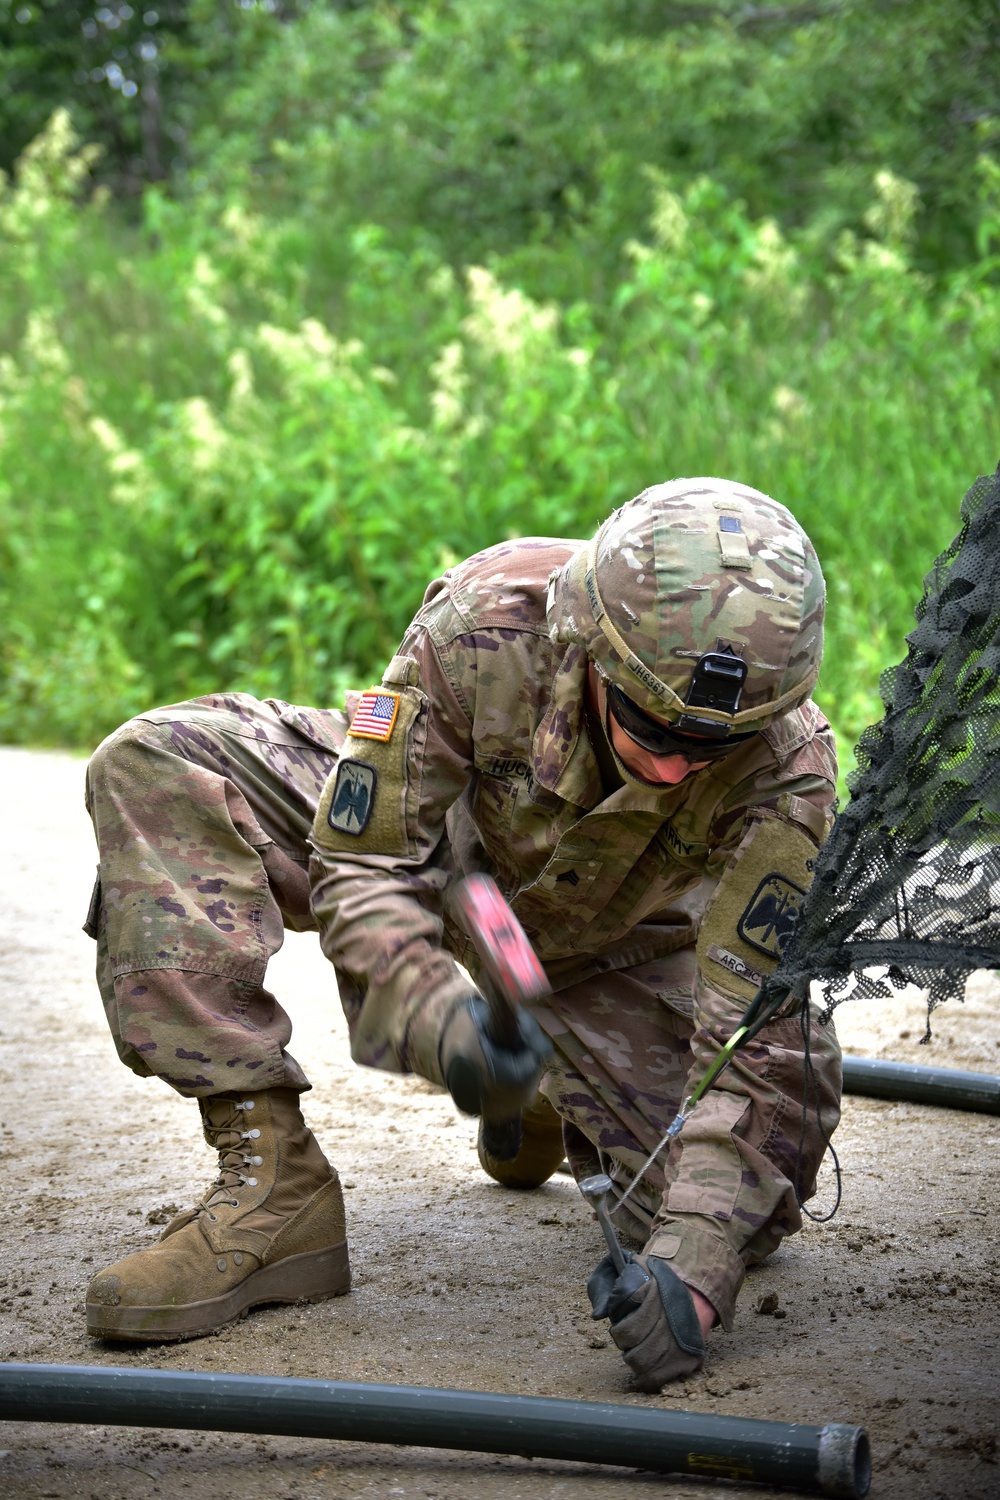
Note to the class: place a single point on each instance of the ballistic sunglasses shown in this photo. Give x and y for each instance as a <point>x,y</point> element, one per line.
<point>663,739</point>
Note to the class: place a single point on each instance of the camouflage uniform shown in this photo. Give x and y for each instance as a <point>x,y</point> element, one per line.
<point>202,812</point>
<point>641,901</point>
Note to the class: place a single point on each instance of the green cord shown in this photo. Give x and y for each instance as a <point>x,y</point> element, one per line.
<point>757,1014</point>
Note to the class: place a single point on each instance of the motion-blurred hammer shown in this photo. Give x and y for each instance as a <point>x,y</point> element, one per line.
<point>511,977</point>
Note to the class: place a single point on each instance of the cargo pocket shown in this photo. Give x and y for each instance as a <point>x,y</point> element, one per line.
<point>711,1168</point>
<point>90,926</point>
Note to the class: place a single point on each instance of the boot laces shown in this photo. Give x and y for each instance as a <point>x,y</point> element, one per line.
<point>233,1137</point>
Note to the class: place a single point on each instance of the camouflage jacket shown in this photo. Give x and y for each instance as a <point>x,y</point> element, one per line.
<point>492,762</point>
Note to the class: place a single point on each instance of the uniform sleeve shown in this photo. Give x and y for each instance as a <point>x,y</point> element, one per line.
<point>733,1171</point>
<point>768,832</point>
<point>377,891</point>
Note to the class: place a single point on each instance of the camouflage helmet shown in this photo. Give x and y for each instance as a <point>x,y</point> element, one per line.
<point>692,567</point>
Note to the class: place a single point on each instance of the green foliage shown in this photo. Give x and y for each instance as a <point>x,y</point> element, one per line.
<point>447,273</point>
<point>504,127</point>
<point>134,77</point>
<point>221,491</point>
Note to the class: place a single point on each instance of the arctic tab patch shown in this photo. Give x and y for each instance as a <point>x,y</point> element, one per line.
<point>750,917</point>
<point>375,716</point>
<point>769,917</point>
<point>353,797</point>
<point>735,965</point>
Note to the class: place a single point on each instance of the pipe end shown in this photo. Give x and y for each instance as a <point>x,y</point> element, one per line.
<point>845,1461</point>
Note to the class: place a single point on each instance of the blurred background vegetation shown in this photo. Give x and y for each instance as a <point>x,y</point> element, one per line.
<point>301,302</point>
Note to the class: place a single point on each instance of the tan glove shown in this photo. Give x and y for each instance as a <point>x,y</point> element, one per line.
<point>653,1318</point>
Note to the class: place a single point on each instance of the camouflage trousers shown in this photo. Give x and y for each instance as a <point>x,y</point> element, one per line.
<point>727,1191</point>
<point>202,812</point>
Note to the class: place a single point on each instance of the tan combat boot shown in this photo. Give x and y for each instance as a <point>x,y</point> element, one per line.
<point>271,1229</point>
<point>541,1150</point>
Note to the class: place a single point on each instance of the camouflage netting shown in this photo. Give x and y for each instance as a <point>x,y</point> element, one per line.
<point>907,888</point>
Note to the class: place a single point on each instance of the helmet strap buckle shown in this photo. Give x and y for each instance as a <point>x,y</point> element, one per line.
<point>716,684</point>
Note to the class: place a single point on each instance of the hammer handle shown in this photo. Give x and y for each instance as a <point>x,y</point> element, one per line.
<point>502,1025</point>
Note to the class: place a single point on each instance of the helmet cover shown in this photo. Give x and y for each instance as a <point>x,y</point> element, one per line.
<point>689,567</point>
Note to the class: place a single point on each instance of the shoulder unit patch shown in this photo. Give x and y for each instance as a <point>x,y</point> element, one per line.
<point>750,918</point>
<point>353,797</point>
<point>369,802</point>
<point>769,916</point>
<point>375,715</point>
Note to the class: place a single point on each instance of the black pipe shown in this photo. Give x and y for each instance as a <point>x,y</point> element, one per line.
<point>922,1085</point>
<point>834,1459</point>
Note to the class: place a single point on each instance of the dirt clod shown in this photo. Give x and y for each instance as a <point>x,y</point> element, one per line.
<point>162,1215</point>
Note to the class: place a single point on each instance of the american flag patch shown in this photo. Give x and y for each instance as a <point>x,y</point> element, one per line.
<point>375,716</point>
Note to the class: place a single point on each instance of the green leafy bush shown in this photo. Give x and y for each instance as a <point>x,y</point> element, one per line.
<point>215,474</point>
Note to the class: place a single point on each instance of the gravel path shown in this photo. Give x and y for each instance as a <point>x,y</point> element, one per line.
<point>892,1316</point>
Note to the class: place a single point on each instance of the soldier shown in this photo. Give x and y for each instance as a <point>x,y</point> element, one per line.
<point>621,733</point>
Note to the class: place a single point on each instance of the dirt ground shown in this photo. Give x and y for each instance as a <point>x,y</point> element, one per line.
<point>892,1317</point>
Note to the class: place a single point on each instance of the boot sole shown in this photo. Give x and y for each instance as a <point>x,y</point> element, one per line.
<point>311,1277</point>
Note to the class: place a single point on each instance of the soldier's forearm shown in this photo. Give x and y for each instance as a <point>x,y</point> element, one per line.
<point>397,982</point>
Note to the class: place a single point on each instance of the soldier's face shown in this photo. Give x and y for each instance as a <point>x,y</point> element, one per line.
<point>660,770</point>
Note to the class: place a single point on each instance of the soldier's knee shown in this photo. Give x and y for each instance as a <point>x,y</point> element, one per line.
<point>541,1150</point>
<point>123,759</point>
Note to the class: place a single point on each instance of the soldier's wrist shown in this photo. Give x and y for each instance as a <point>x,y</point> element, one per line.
<point>696,1247</point>
<point>425,1032</point>
<point>486,1077</point>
